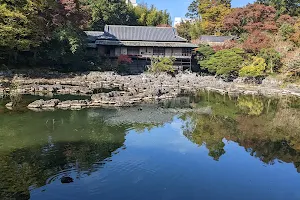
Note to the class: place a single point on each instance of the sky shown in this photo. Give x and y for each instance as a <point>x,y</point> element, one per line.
<point>178,8</point>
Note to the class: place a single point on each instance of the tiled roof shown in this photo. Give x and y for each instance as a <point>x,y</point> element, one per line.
<point>142,33</point>
<point>212,38</point>
<point>145,44</point>
<point>93,35</point>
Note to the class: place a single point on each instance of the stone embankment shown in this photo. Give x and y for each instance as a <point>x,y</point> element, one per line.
<point>109,89</point>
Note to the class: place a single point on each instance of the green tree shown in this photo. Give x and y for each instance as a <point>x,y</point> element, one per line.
<point>290,7</point>
<point>204,52</point>
<point>151,16</point>
<point>225,62</point>
<point>111,12</point>
<point>272,59</point>
<point>184,30</point>
<point>193,10</point>
<point>20,28</point>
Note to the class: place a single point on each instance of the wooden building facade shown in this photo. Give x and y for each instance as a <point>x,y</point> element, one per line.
<point>141,43</point>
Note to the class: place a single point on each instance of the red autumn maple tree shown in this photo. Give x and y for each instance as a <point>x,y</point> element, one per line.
<point>251,18</point>
<point>124,59</point>
<point>256,41</point>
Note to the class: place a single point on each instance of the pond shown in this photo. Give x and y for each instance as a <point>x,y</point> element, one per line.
<point>240,148</point>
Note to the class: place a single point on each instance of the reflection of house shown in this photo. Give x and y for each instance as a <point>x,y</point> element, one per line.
<point>215,40</point>
<point>141,43</point>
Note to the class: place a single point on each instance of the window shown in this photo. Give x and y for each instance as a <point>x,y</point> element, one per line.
<point>133,51</point>
<point>186,51</point>
<point>158,51</point>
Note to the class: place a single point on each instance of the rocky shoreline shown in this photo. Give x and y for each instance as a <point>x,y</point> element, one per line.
<point>109,89</point>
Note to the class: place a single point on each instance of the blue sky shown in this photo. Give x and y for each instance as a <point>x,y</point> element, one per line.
<point>178,8</point>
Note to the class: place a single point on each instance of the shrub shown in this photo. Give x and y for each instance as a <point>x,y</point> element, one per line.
<point>123,62</point>
<point>255,68</point>
<point>272,58</point>
<point>225,62</point>
<point>164,64</point>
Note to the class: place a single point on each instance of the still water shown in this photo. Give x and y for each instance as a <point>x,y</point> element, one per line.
<point>231,148</point>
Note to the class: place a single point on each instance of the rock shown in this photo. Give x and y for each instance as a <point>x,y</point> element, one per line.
<point>10,105</point>
<point>44,104</point>
<point>66,179</point>
<point>36,104</point>
<point>50,103</point>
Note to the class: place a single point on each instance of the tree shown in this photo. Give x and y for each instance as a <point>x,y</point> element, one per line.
<point>213,17</point>
<point>225,62</point>
<point>196,30</point>
<point>254,17</point>
<point>193,10</point>
<point>209,14</point>
<point>256,41</point>
<point>204,52</point>
<point>296,36</point>
<point>184,30</point>
<point>290,7</point>
<point>111,12</point>
<point>292,63</point>
<point>151,16</point>
<point>255,68</point>
<point>272,59</point>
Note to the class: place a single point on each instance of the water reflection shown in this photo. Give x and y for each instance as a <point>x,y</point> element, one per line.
<point>37,150</point>
<point>34,147</point>
<point>268,129</point>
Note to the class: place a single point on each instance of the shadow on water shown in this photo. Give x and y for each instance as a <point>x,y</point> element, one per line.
<point>39,148</point>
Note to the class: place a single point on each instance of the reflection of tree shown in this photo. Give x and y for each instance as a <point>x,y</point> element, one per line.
<point>209,130</point>
<point>53,142</point>
<point>268,129</point>
<point>251,105</point>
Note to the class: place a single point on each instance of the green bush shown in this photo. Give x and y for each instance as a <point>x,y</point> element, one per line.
<point>226,62</point>
<point>164,64</point>
<point>255,68</point>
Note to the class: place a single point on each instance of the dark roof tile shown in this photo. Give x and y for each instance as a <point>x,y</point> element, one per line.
<point>142,33</point>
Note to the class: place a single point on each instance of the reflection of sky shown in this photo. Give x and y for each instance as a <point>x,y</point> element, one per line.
<point>163,164</point>
<point>169,137</point>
